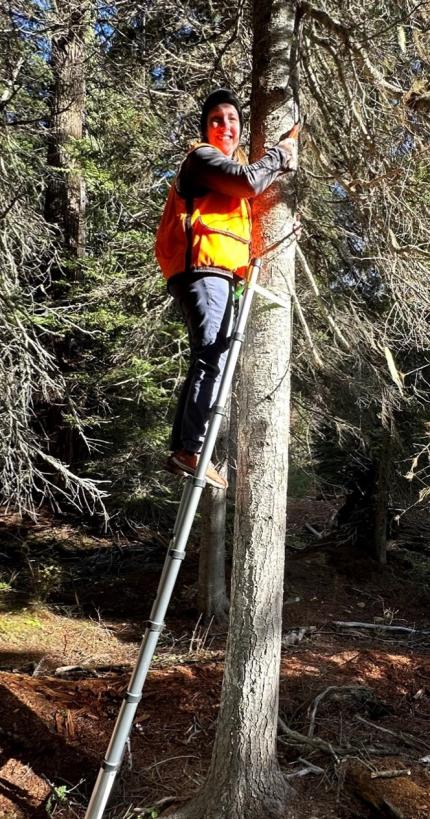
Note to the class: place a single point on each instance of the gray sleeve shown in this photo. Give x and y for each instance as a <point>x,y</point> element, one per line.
<point>206,168</point>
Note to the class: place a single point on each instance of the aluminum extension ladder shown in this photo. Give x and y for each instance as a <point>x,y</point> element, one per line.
<point>175,554</point>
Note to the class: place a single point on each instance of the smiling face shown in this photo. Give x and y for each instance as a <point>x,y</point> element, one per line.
<point>223,128</point>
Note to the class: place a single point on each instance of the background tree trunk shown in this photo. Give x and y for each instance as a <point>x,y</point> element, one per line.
<point>212,595</point>
<point>381,498</point>
<point>65,193</point>
<point>244,778</point>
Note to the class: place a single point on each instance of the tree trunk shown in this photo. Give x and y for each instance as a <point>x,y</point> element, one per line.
<point>381,499</point>
<point>65,192</point>
<point>65,189</point>
<point>244,779</point>
<point>212,596</point>
<point>233,430</point>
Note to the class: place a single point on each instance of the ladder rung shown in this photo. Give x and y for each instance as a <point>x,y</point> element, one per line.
<point>132,697</point>
<point>153,626</point>
<point>108,766</point>
<point>176,554</point>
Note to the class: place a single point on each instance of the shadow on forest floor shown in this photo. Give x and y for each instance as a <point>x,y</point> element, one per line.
<point>56,722</point>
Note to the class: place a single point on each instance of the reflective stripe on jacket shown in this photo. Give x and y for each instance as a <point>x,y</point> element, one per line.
<point>212,231</point>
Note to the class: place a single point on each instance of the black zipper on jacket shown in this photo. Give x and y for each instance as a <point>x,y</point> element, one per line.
<point>188,235</point>
<point>221,232</point>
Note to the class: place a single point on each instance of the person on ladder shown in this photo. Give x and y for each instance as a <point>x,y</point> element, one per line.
<point>203,247</point>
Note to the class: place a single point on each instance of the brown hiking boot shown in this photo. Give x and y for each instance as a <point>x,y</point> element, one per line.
<point>185,463</point>
<point>174,468</point>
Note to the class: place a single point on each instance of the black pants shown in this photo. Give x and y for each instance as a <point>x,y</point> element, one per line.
<point>207,306</point>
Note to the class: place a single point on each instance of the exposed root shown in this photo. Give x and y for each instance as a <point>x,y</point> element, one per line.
<point>235,802</point>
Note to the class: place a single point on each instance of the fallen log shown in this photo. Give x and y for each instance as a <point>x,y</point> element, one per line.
<point>395,798</point>
<point>381,627</point>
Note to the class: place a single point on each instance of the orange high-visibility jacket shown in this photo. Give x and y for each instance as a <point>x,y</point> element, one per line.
<point>204,233</point>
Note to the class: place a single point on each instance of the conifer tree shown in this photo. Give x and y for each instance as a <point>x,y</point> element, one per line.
<point>244,777</point>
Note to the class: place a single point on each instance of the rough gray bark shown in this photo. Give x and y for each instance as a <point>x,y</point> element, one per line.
<point>65,192</point>
<point>244,779</point>
<point>233,431</point>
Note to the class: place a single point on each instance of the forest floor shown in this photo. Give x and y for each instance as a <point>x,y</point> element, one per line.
<point>73,611</point>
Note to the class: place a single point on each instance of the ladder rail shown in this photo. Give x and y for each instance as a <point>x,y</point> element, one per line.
<point>175,554</point>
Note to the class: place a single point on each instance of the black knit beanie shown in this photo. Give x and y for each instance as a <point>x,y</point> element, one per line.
<point>218,97</point>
